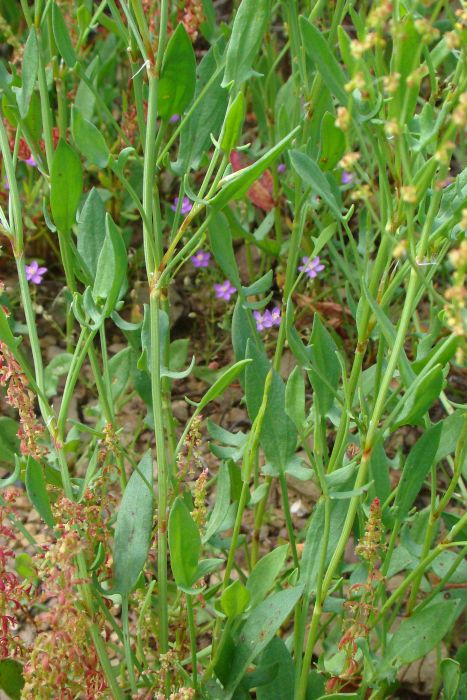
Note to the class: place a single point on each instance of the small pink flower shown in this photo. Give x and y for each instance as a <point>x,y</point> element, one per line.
<point>201,258</point>
<point>34,273</point>
<point>31,161</point>
<point>311,267</point>
<point>281,168</point>
<point>224,290</point>
<point>186,205</point>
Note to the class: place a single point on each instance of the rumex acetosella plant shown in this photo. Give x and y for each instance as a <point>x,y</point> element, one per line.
<point>278,191</point>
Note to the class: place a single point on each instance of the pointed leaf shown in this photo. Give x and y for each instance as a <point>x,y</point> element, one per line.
<point>237,185</point>
<point>37,491</point>
<point>89,140</point>
<point>30,66</point>
<point>178,76</point>
<point>66,184</point>
<point>416,467</point>
<point>248,30</point>
<point>312,177</point>
<point>318,50</point>
<point>417,635</point>
<point>257,632</point>
<point>184,544</point>
<point>62,37</point>
<point>265,573</point>
<point>235,599</point>
<point>134,527</point>
<point>91,231</point>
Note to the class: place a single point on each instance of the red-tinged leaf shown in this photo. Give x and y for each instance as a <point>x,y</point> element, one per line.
<point>260,193</point>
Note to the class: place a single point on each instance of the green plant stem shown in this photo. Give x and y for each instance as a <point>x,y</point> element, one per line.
<point>259,515</point>
<point>127,646</point>
<point>192,630</point>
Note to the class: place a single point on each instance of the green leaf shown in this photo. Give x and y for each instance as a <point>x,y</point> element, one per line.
<point>312,177</point>
<point>6,335</point>
<point>221,503</point>
<point>257,632</point>
<point>134,527</point>
<point>416,467</point>
<point>235,599</point>
<point>314,541</point>
<point>224,381</point>
<point>332,143</point>
<point>178,76</point>
<point>111,267</point>
<point>184,544</point>
<point>389,333</point>
<point>295,398</point>
<point>57,367</point>
<point>318,50</point>
<point>120,369</point>
<point>89,139</point>
<point>417,635</point>
<point>66,184</point>
<point>243,329</point>
<point>278,434</point>
<point>282,686</point>
<point>451,675</point>
<point>405,58</point>
<point>24,566</point>
<point>325,369</point>
<point>233,123</point>
<point>235,186</point>
<point>442,359</point>
<point>251,21</point>
<point>62,37</point>
<point>265,573</point>
<point>222,247</point>
<point>37,491</point>
<point>207,117</point>
<point>30,66</point>
<point>301,352</point>
<point>91,231</point>
<point>9,442</point>
<point>11,678</point>
<point>379,472</point>
<point>261,286</point>
<point>421,400</point>
<point>451,432</point>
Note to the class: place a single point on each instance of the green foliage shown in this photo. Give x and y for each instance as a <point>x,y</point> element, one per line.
<point>134,527</point>
<point>313,268</point>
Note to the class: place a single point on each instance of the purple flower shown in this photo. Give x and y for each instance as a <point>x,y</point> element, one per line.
<point>268,319</point>
<point>262,320</point>
<point>34,273</point>
<point>276,316</point>
<point>224,290</point>
<point>311,267</point>
<point>186,205</point>
<point>6,185</point>
<point>174,118</point>
<point>281,168</point>
<point>201,258</point>
<point>346,178</point>
<point>31,161</point>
